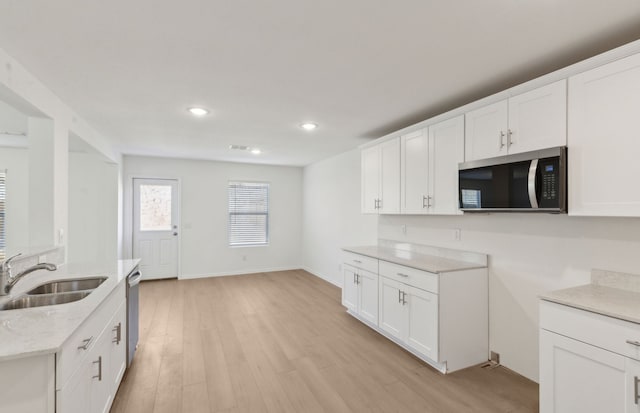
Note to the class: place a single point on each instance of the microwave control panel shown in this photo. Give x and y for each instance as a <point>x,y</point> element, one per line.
<point>549,177</point>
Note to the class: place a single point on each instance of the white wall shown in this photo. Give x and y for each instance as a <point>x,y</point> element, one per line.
<point>204,249</point>
<point>331,214</point>
<point>528,253</point>
<point>93,209</point>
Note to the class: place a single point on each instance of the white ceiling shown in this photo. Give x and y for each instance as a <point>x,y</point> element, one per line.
<point>359,68</point>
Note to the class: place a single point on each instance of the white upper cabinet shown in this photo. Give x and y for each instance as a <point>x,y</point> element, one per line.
<point>538,119</point>
<point>526,122</point>
<point>485,136</point>
<point>429,176</point>
<point>604,104</point>
<point>414,176</point>
<point>381,178</point>
<point>446,150</point>
<point>370,164</point>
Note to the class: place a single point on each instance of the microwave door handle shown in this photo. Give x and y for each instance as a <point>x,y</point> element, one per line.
<point>533,169</point>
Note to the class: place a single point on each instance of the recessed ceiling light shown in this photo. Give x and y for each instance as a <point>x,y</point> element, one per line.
<point>256,151</point>
<point>198,111</point>
<point>309,126</point>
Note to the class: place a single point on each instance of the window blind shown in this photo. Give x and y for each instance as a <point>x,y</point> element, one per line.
<point>248,213</point>
<point>3,198</point>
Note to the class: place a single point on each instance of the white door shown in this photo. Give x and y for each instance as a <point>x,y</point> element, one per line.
<point>393,318</point>
<point>446,150</point>
<point>370,164</point>
<point>349,288</point>
<point>422,334</point>
<point>155,227</point>
<point>603,140</point>
<point>415,172</point>
<point>368,296</point>
<point>390,177</point>
<point>578,377</point>
<point>538,119</point>
<point>486,131</point>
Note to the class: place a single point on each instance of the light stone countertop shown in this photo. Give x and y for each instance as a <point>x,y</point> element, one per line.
<point>413,259</point>
<point>611,294</point>
<point>43,330</point>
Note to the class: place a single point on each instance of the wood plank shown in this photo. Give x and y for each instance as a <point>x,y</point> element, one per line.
<point>282,342</point>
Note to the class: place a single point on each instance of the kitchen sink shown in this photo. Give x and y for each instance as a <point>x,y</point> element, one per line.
<point>28,301</point>
<point>64,286</point>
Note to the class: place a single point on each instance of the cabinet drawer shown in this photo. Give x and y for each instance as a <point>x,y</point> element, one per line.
<point>361,261</point>
<point>601,331</point>
<point>79,344</point>
<point>416,278</point>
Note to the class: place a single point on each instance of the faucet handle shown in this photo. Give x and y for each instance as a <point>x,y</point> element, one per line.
<point>6,264</point>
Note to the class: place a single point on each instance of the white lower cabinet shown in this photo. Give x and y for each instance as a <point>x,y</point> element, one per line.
<point>360,292</point>
<point>91,363</point>
<point>410,315</point>
<point>441,318</point>
<point>578,374</point>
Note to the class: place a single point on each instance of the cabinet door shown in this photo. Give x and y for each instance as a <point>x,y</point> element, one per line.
<point>538,119</point>
<point>422,308</point>
<point>604,104</point>
<point>100,392</point>
<point>368,295</point>
<point>349,288</point>
<point>633,386</point>
<point>446,150</point>
<point>393,317</point>
<point>578,377</point>
<point>118,348</point>
<point>390,177</point>
<point>414,175</point>
<point>75,395</point>
<point>486,129</point>
<point>370,179</point>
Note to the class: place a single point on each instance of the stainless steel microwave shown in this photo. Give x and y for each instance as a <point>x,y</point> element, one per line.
<point>525,182</point>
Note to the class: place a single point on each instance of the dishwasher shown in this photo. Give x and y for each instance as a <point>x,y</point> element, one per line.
<point>133,294</point>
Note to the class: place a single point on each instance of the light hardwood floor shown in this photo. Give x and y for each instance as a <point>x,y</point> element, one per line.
<point>282,342</point>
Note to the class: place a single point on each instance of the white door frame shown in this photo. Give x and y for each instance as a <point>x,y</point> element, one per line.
<point>128,215</point>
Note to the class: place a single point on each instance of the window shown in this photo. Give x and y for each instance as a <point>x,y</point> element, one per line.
<point>3,203</point>
<point>471,198</point>
<point>248,213</point>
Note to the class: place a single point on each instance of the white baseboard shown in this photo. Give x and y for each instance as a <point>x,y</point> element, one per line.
<point>230,273</point>
<point>320,275</point>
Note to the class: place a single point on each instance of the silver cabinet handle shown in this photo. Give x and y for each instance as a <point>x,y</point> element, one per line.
<point>429,202</point>
<point>354,277</point>
<point>118,330</point>
<point>634,343</point>
<point>509,140</point>
<point>85,343</point>
<point>375,204</point>
<point>531,185</point>
<point>404,295</point>
<point>501,139</point>
<point>636,396</point>
<point>399,296</point>
<point>379,203</point>
<point>99,363</point>
<point>402,275</point>
<point>357,279</point>
<point>425,204</point>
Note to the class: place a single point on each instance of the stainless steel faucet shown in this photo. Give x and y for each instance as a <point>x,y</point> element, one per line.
<point>7,281</point>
